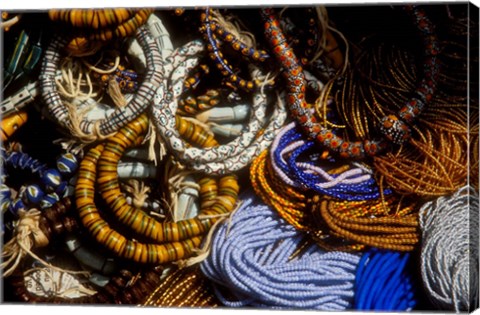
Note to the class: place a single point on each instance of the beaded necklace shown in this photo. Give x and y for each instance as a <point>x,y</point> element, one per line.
<point>287,200</point>
<point>358,190</point>
<point>102,25</point>
<point>293,205</point>
<point>109,189</point>
<point>54,181</point>
<point>210,29</point>
<point>220,159</point>
<point>352,184</point>
<point>174,241</point>
<point>121,116</point>
<point>392,127</point>
<point>375,219</point>
<point>349,225</point>
<point>377,223</point>
<point>436,162</point>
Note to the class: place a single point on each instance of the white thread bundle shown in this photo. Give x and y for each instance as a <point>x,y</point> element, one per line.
<point>449,255</point>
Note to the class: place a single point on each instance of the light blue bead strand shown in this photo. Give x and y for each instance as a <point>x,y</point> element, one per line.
<point>253,257</point>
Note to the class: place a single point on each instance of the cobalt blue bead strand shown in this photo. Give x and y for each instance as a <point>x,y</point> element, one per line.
<point>383,282</point>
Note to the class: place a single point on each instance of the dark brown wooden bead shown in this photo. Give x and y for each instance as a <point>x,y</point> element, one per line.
<point>45,227</point>
<point>70,224</point>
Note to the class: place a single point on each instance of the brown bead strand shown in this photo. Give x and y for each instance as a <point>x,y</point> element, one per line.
<point>433,165</point>
<point>291,208</point>
<point>140,285</point>
<point>373,89</point>
<point>293,205</point>
<point>387,225</point>
<point>185,287</point>
<point>55,222</point>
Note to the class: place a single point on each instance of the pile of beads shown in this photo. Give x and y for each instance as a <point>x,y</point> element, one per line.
<point>271,157</point>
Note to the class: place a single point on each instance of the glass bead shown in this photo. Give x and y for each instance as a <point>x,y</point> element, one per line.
<point>34,194</point>
<point>49,200</point>
<point>67,164</point>
<point>16,206</point>
<point>51,179</point>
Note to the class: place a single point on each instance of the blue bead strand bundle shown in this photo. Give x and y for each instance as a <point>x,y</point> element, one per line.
<point>366,190</point>
<point>293,158</point>
<point>383,282</point>
<point>254,257</point>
